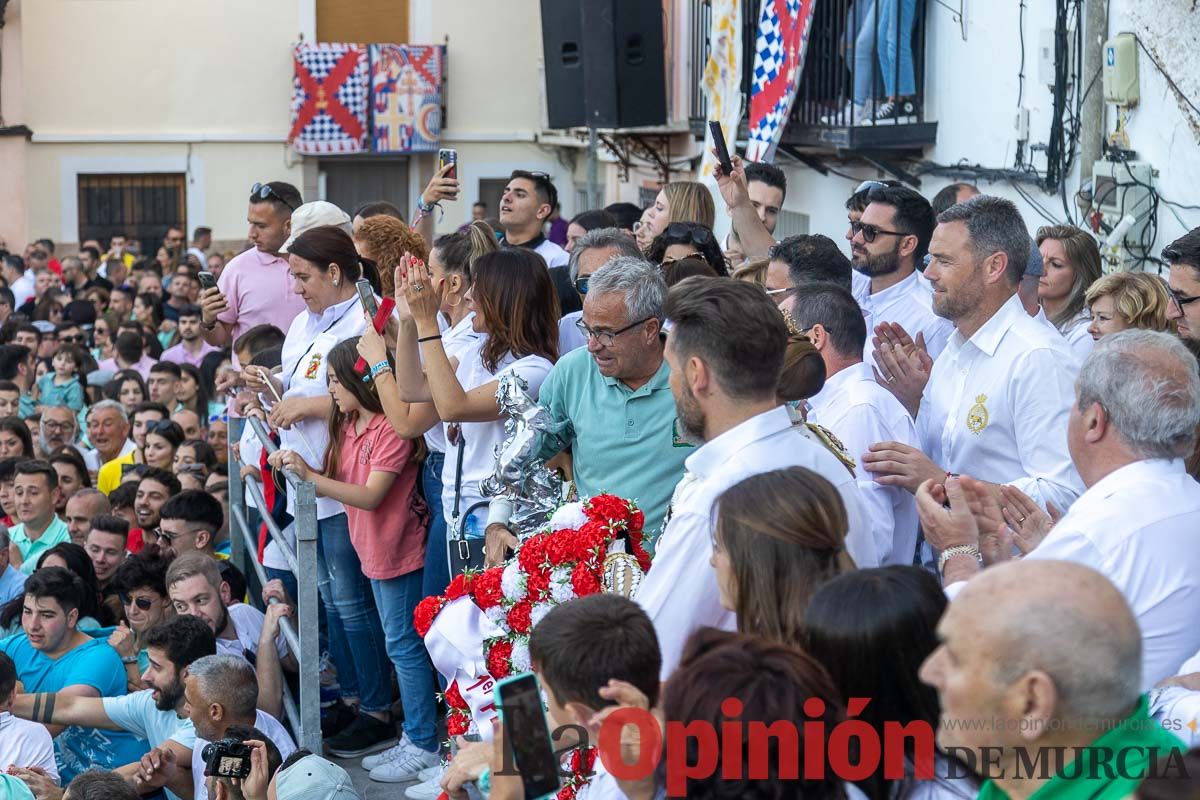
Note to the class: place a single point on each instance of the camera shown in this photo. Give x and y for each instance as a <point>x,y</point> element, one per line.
<point>228,758</point>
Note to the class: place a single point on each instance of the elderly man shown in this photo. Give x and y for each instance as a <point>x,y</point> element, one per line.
<point>618,383</point>
<point>56,429</point>
<point>996,401</point>
<point>1038,668</point>
<point>82,507</point>
<point>591,251</point>
<point>108,431</point>
<point>1134,418</point>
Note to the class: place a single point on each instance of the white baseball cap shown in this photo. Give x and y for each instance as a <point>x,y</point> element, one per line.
<point>314,778</point>
<point>314,215</point>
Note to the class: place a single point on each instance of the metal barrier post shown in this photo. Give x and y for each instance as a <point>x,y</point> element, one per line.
<point>310,656</point>
<point>237,495</point>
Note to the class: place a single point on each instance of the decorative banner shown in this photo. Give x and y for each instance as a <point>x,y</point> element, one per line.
<point>783,29</point>
<point>722,80</point>
<point>406,97</point>
<point>329,99</point>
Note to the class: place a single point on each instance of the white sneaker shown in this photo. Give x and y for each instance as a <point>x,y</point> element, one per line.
<point>406,765</point>
<point>430,773</point>
<point>840,117</point>
<point>372,761</point>
<point>428,789</point>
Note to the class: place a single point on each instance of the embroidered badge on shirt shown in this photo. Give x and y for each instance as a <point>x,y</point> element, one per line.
<point>977,416</point>
<point>313,365</point>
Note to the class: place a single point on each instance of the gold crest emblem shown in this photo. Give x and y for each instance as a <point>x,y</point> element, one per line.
<point>977,416</point>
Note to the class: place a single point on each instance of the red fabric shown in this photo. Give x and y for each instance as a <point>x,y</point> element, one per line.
<point>134,542</point>
<point>268,495</point>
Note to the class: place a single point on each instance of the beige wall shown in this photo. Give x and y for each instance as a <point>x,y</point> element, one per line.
<point>167,66</point>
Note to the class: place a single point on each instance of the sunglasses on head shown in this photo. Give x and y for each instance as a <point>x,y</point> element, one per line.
<point>682,232</point>
<point>159,425</point>
<point>144,603</point>
<point>869,232</point>
<point>263,191</point>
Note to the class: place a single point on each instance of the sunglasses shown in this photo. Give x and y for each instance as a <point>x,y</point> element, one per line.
<point>865,185</point>
<point>581,284</point>
<point>869,232</point>
<point>159,426</point>
<point>684,232</point>
<point>73,339</point>
<point>263,191</point>
<point>144,603</point>
<point>528,175</point>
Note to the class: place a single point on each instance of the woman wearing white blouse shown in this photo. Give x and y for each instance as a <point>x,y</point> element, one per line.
<point>1072,261</point>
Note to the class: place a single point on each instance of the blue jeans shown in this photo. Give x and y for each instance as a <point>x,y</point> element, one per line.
<point>353,620</point>
<point>895,40</point>
<point>864,50</point>
<point>437,563</point>
<point>396,599</point>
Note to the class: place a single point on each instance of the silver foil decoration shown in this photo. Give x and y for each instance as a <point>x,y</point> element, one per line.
<point>520,475</point>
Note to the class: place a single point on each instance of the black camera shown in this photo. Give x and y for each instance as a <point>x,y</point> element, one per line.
<point>228,758</point>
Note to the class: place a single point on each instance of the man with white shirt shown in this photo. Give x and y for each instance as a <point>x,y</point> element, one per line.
<point>527,202</point>
<point>803,260</point>
<point>22,743</point>
<point>859,411</point>
<point>592,251</point>
<point>995,403</point>
<point>1133,420</point>
<point>725,351</point>
<point>889,240</point>
<point>108,430</point>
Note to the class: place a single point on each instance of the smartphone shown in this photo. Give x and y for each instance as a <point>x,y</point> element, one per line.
<point>367,295</point>
<point>448,156</point>
<point>519,702</point>
<point>722,149</point>
<point>207,281</point>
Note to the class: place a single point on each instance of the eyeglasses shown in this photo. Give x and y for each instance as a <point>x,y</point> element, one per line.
<point>162,536</point>
<point>52,425</point>
<point>672,259</point>
<point>606,338</point>
<point>144,603</point>
<point>263,191</point>
<point>581,284</point>
<point>869,232</point>
<point>1181,300</point>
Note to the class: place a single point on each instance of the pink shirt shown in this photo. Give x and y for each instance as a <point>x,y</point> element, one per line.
<point>390,541</point>
<point>143,366</point>
<point>181,356</point>
<point>257,287</point>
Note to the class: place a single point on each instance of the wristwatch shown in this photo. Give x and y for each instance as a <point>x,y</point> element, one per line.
<point>958,550</point>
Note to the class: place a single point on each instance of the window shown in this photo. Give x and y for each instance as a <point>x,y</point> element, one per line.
<point>142,206</point>
<point>790,223</point>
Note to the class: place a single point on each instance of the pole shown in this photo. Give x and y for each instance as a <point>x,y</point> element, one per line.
<point>1095,31</point>
<point>593,169</point>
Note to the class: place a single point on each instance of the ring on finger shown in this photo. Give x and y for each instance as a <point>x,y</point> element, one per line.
<point>891,378</point>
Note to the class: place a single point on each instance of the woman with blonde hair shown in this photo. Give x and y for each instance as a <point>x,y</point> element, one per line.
<point>384,240</point>
<point>680,201</point>
<point>779,537</point>
<point>1072,261</point>
<point>1126,300</point>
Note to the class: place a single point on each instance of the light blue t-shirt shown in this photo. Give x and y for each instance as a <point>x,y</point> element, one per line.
<point>94,664</point>
<point>12,582</point>
<point>136,713</point>
<point>13,788</point>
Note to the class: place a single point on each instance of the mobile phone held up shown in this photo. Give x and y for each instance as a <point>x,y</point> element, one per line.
<point>367,295</point>
<point>519,702</point>
<point>448,156</point>
<point>722,150</point>
<point>207,280</point>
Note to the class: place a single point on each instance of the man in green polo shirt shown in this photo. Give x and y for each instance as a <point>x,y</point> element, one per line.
<point>613,400</point>
<point>35,493</point>
<point>1038,675</point>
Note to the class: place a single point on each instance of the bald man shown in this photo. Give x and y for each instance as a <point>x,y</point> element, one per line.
<point>1038,658</point>
<point>82,508</point>
<point>1137,405</point>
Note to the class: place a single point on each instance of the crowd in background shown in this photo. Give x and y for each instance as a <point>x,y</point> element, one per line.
<point>939,463</point>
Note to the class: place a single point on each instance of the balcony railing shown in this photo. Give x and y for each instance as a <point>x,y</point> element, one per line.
<point>858,58</point>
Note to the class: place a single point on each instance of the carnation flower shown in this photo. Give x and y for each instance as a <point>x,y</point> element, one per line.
<point>486,590</point>
<point>560,575</point>
<point>532,555</point>
<point>498,616</point>
<point>563,592</point>
<point>521,661</point>
<point>561,547</point>
<point>498,660</point>
<point>608,507</point>
<point>458,723</point>
<point>585,581</point>
<point>425,612</point>
<point>519,617</point>
<point>540,610</point>
<point>460,586</point>
<point>454,698</point>
<point>538,584</point>
<point>570,515</point>
<point>637,521</point>
<point>513,582</point>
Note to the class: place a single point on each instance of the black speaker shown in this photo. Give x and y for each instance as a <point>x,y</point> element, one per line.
<point>562,51</point>
<point>604,63</point>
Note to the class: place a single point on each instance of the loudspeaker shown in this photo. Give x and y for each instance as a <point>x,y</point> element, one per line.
<point>562,51</point>
<point>604,63</point>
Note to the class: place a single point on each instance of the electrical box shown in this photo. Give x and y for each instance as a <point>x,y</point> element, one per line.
<point>1120,189</point>
<point>1121,70</point>
<point>1045,55</point>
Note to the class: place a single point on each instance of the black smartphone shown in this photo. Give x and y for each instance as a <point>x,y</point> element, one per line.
<point>519,701</point>
<point>448,156</point>
<point>367,294</point>
<point>722,149</point>
<point>207,280</point>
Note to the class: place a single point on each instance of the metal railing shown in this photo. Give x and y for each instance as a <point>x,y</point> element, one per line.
<point>305,719</point>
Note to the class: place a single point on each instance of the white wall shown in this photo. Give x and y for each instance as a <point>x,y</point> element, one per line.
<point>971,90</point>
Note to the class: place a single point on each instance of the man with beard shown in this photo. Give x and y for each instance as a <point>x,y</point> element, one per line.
<point>56,429</point>
<point>725,350</point>
<point>995,405</point>
<point>890,240</point>
<point>157,714</point>
<point>155,488</point>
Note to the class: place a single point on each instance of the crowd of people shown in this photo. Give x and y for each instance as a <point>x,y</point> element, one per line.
<point>943,466</point>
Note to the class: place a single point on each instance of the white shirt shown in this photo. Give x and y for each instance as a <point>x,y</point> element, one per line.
<point>1140,527</point>
<point>309,339</point>
<point>265,723</point>
<point>554,255</point>
<point>247,624</point>
<point>1175,708</point>
<point>569,337</point>
<point>22,289</point>
<point>478,440</point>
<point>91,458</point>
<point>860,413</point>
<point>680,592</point>
<point>455,339</point>
<point>908,303</point>
<point>996,407</point>
<point>1078,338</point>
<point>26,744</point>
